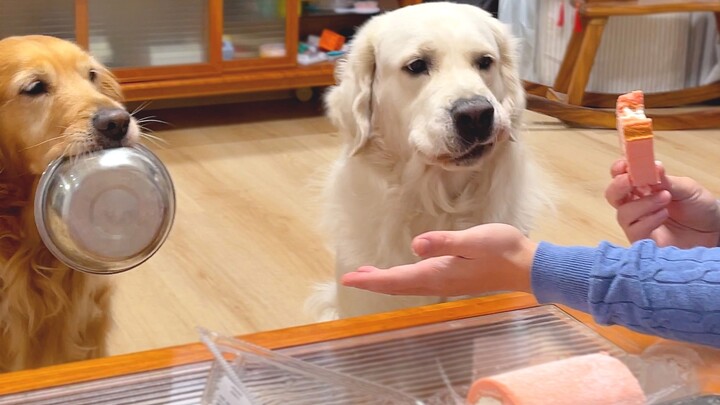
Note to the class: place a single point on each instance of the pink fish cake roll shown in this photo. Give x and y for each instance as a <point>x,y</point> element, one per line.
<point>594,379</point>
<point>636,137</point>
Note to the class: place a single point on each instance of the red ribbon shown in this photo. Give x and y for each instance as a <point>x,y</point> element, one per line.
<point>578,19</point>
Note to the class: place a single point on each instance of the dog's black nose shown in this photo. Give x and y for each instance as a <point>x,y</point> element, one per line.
<point>112,123</point>
<point>473,119</point>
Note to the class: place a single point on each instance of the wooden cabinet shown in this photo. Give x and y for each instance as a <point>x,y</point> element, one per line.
<point>163,49</point>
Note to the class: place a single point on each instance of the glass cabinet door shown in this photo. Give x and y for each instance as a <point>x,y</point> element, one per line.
<point>149,34</point>
<point>257,30</point>
<point>46,17</point>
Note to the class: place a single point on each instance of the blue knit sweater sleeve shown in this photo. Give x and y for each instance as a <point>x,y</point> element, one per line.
<point>669,292</point>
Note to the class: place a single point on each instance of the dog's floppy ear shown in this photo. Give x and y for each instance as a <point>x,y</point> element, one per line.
<point>349,102</point>
<point>514,100</point>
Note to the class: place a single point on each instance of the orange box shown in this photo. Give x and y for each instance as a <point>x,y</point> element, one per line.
<point>331,41</point>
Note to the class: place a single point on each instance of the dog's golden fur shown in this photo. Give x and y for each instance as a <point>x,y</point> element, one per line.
<point>49,91</point>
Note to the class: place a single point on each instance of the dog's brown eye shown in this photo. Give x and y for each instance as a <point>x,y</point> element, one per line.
<point>92,75</point>
<point>417,67</point>
<point>484,62</point>
<point>35,88</point>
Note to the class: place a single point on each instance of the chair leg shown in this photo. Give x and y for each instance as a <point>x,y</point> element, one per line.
<point>585,60</point>
<point>562,80</point>
<point>717,22</point>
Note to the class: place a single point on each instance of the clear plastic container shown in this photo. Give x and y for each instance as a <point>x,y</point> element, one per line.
<point>432,364</point>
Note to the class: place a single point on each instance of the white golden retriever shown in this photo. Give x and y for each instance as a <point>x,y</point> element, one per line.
<point>428,104</point>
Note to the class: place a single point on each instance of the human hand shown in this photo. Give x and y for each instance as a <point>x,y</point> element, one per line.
<point>678,212</point>
<point>491,257</point>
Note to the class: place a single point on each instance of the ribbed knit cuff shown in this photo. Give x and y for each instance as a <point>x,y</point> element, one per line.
<point>561,275</point>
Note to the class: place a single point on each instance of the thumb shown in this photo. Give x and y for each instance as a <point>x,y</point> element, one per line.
<point>665,183</point>
<point>439,243</point>
<point>466,243</point>
<point>681,188</point>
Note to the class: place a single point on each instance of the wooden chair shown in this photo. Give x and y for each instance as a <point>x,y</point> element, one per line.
<point>567,99</point>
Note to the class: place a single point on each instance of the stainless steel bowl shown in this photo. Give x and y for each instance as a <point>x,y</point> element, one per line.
<point>106,212</point>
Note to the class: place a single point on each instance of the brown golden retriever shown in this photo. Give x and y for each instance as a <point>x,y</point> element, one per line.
<point>55,100</point>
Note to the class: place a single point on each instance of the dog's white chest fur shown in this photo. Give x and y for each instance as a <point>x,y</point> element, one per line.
<point>373,213</point>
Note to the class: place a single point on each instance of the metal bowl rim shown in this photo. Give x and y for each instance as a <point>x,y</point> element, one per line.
<point>41,194</point>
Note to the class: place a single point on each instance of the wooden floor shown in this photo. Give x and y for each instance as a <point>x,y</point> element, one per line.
<point>244,250</point>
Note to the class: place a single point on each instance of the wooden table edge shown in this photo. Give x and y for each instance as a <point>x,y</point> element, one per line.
<point>126,364</point>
